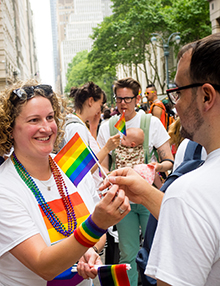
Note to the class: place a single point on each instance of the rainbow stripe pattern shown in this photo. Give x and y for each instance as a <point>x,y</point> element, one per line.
<point>57,206</point>
<point>66,278</point>
<point>113,275</point>
<point>88,233</point>
<point>120,124</point>
<point>75,159</point>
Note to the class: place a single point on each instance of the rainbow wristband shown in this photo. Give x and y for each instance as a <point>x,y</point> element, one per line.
<point>88,233</point>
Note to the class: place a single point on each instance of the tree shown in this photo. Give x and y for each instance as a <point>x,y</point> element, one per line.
<point>124,37</point>
<point>80,71</point>
<point>189,17</point>
<point>77,71</point>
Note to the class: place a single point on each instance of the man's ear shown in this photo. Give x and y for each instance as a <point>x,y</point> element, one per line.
<point>209,96</point>
<point>133,144</point>
<point>138,98</point>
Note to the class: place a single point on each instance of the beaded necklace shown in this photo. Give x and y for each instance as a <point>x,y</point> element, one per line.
<point>52,217</point>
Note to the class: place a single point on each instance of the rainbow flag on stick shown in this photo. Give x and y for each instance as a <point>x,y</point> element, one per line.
<point>120,124</point>
<point>113,275</point>
<point>75,159</point>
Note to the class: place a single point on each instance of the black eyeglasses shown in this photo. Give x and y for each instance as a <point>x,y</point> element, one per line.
<point>27,92</point>
<point>174,94</point>
<point>126,99</point>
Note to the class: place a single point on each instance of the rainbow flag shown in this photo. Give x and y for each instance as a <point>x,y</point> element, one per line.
<point>66,278</point>
<point>120,124</point>
<point>113,275</point>
<point>75,159</point>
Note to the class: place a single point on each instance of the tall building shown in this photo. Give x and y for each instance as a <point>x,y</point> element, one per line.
<point>60,14</point>
<point>18,58</point>
<point>214,8</point>
<point>75,20</point>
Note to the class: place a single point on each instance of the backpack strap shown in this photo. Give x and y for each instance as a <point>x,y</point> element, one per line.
<point>113,131</point>
<point>193,148</point>
<point>145,126</point>
<point>112,121</point>
<point>159,104</point>
<point>75,119</point>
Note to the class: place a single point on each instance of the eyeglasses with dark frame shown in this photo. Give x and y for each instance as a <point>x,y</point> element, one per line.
<point>174,95</point>
<point>126,99</point>
<point>27,92</point>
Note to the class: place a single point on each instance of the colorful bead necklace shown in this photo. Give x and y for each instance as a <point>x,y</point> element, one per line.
<point>52,217</point>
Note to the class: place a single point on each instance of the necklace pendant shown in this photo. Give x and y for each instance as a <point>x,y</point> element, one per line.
<point>49,188</point>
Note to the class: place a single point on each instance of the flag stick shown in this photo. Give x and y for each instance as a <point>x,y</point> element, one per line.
<point>96,159</point>
<point>74,267</point>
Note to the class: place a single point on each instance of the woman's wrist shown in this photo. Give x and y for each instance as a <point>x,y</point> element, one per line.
<point>88,233</point>
<point>95,249</point>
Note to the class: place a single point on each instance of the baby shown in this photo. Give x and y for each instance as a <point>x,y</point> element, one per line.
<point>130,152</point>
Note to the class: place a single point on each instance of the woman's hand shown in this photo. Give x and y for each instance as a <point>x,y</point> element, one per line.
<point>112,208</point>
<point>85,266</point>
<point>95,120</point>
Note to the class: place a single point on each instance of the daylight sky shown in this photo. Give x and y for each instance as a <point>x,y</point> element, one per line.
<point>43,35</point>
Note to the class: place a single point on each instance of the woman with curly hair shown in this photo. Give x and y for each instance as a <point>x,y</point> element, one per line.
<point>40,230</point>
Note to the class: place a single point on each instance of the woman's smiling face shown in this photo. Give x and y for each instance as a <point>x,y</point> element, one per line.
<point>35,129</point>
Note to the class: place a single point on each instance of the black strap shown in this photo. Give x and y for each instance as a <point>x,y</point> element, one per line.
<point>169,160</point>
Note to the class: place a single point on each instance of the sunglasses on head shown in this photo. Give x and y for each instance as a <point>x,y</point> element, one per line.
<point>148,92</point>
<point>27,92</point>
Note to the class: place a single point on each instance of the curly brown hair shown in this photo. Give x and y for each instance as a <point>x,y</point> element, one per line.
<point>175,134</point>
<point>9,111</point>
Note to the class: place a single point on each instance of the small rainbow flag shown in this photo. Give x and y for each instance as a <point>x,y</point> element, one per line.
<point>120,124</point>
<point>113,275</point>
<point>75,159</point>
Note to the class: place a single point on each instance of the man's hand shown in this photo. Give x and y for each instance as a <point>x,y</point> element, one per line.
<point>136,188</point>
<point>130,181</point>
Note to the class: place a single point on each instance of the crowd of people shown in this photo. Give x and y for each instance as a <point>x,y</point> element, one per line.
<point>166,229</point>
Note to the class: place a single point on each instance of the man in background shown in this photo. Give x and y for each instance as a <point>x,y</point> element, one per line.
<point>157,108</point>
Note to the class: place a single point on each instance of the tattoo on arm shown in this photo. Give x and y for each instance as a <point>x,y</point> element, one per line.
<point>161,153</point>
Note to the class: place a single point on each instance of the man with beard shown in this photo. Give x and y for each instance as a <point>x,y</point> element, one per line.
<point>186,246</point>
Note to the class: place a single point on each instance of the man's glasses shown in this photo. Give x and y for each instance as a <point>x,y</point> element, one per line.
<point>148,92</point>
<point>174,93</point>
<point>27,92</point>
<point>126,99</point>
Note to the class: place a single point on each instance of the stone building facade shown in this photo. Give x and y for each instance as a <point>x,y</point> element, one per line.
<point>18,58</point>
<point>214,8</point>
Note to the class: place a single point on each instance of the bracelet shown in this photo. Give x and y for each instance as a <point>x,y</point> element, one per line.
<point>169,160</point>
<point>88,233</point>
<point>95,249</point>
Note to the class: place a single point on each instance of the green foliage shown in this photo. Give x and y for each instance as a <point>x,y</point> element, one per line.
<point>80,71</point>
<point>189,17</point>
<point>77,71</point>
<point>125,38</point>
